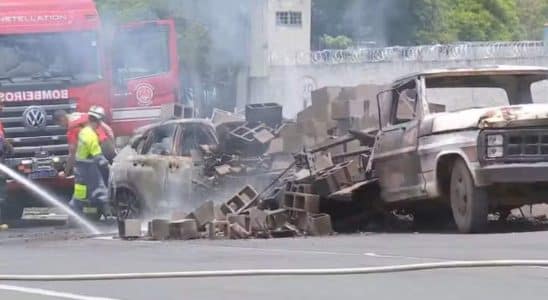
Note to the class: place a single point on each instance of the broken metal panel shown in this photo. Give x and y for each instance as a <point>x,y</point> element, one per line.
<point>185,188</point>
<point>136,172</point>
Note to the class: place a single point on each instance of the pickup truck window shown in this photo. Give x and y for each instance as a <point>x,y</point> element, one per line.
<point>454,99</point>
<point>539,91</point>
<point>406,101</point>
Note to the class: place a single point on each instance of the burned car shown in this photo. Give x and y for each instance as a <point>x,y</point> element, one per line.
<point>472,140</point>
<point>176,165</point>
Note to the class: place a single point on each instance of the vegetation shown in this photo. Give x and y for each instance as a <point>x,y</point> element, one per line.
<point>411,22</point>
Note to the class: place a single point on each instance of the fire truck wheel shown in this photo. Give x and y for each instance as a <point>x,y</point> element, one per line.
<point>11,210</point>
<point>468,202</point>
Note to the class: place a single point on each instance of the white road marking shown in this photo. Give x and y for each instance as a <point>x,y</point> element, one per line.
<point>49,293</point>
<point>372,254</point>
<point>286,250</point>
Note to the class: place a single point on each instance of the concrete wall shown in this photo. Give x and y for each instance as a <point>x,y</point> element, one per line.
<point>291,85</point>
<point>289,39</point>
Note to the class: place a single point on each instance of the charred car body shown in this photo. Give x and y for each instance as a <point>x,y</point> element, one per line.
<point>176,165</point>
<point>474,140</point>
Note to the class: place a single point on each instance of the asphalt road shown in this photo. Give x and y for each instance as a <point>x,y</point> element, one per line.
<point>59,252</point>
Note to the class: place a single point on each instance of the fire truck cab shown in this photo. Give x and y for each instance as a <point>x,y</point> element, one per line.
<point>54,55</point>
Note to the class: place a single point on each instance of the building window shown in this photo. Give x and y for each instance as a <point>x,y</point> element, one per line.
<point>291,18</point>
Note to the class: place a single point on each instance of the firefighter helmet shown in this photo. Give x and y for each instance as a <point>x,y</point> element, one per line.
<point>97,112</point>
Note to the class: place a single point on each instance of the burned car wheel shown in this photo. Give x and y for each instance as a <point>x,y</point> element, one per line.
<point>468,202</point>
<point>127,204</point>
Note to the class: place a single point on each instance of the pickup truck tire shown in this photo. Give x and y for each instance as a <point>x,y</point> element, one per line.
<point>468,202</point>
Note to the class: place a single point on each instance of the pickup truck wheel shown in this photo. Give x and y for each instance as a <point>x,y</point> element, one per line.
<point>468,202</point>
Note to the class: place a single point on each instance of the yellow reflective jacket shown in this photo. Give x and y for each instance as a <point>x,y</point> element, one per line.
<point>88,144</point>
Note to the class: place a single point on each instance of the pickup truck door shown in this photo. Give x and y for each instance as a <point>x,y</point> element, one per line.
<point>396,158</point>
<point>145,72</point>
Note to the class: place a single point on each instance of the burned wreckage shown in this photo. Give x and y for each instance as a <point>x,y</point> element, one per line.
<point>178,164</point>
<point>451,144</point>
<point>474,140</point>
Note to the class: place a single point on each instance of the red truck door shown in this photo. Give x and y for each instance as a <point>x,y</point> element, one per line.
<point>145,73</point>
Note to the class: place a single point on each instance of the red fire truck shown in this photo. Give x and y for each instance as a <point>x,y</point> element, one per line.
<point>55,54</point>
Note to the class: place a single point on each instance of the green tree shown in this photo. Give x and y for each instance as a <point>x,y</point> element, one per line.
<point>533,14</point>
<point>336,42</point>
<point>411,22</point>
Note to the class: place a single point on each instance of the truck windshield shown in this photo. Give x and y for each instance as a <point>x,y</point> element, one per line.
<point>72,56</point>
<point>454,94</point>
<point>142,52</point>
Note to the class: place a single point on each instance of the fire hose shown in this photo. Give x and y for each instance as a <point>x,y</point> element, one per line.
<point>283,272</point>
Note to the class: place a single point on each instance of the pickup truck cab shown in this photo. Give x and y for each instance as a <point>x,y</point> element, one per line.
<point>474,140</point>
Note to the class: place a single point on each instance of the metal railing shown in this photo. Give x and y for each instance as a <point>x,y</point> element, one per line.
<point>448,52</point>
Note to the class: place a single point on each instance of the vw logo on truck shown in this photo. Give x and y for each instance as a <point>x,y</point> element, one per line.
<point>34,117</point>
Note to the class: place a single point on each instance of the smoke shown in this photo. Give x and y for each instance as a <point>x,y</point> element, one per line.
<point>227,24</point>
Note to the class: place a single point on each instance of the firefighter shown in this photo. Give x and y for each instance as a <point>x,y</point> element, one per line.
<point>89,186</point>
<point>74,122</point>
<point>105,133</point>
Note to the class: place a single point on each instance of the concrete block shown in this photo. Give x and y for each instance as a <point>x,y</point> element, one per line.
<point>257,219</point>
<point>178,215</point>
<point>305,188</point>
<point>129,228</point>
<point>276,218</point>
<point>217,229</point>
<point>235,231</point>
<point>324,185</point>
<point>292,143</point>
<point>305,114</point>
<point>159,229</point>
<point>288,200</point>
<point>263,136</point>
<point>204,214</point>
<point>319,225</point>
<point>227,209</point>
<point>247,194</point>
<point>268,113</point>
<point>184,229</point>
<point>300,220</point>
<point>220,117</point>
<point>222,170</point>
<point>341,175</point>
<point>346,109</point>
<point>276,146</point>
<point>242,220</point>
<point>307,202</point>
<point>321,161</point>
<point>321,102</point>
<point>326,93</point>
<point>233,205</point>
<point>219,215</point>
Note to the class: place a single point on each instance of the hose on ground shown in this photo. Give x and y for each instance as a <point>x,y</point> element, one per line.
<point>282,272</point>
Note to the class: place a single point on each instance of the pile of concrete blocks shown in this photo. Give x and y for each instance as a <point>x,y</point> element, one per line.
<point>333,112</point>
<point>251,138</point>
<point>159,229</point>
<point>304,207</point>
<point>267,113</point>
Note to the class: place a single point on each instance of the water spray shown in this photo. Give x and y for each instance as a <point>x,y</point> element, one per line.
<point>48,198</point>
